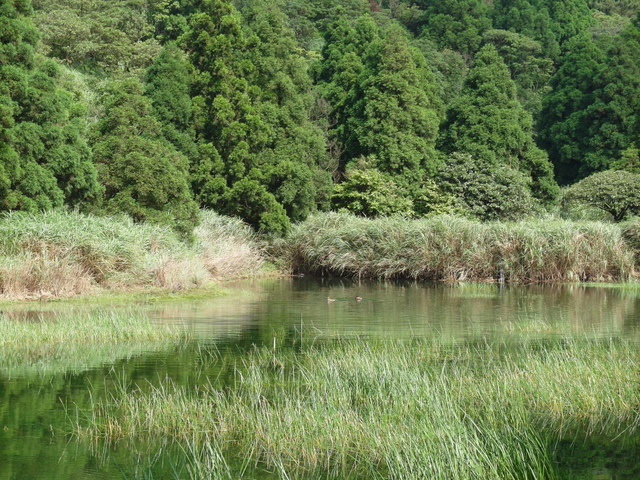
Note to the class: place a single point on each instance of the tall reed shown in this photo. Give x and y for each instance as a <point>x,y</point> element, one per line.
<point>457,249</point>
<point>413,409</point>
<point>60,253</point>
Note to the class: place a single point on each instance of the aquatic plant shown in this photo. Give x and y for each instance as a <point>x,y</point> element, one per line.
<point>53,342</point>
<point>389,409</point>
<point>457,249</point>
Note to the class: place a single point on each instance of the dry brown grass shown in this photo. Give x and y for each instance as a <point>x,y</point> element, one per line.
<point>59,254</point>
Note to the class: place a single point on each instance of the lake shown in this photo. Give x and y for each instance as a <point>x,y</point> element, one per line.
<point>38,407</point>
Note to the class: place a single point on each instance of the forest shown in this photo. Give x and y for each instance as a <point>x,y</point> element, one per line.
<point>271,110</point>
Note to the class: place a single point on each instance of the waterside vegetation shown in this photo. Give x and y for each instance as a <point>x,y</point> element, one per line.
<point>447,248</point>
<point>61,254</point>
<point>387,409</point>
<point>51,343</point>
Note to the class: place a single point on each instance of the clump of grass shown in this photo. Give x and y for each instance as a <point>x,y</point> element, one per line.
<point>74,341</point>
<point>456,249</point>
<point>228,247</point>
<point>391,409</point>
<point>631,235</point>
<point>60,253</point>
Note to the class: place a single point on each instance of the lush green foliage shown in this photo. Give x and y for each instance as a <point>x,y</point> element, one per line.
<point>261,153</point>
<point>368,192</point>
<point>256,109</point>
<point>485,190</point>
<point>616,192</point>
<point>455,24</point>
<point>112,36</point>
<point>143,174</point>
<point>487,122</point>
<point>44,158</point>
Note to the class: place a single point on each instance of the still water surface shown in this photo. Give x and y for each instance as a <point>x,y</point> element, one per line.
<point>36,406</point>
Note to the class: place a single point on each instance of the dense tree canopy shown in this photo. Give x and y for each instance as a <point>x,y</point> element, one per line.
<point>44,158</point>
<point>260,109</point>
<point>488,122</point>
<point>615,192</point>
<point>142,172</point>
<point>114,36</point>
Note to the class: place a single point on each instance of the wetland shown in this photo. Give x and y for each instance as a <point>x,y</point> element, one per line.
<point>275,381</point>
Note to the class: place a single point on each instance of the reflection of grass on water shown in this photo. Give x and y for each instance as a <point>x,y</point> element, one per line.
<point>413,409</point>
<point>73,341</point>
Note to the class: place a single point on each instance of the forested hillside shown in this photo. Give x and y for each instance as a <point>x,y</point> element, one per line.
<point>270,110</point>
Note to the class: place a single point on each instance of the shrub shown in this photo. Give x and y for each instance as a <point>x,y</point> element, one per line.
<point>616,192</point>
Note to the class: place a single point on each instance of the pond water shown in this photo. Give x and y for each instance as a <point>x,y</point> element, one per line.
<point>37,408</point>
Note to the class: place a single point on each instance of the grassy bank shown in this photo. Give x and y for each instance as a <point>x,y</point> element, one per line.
<point>457,249</point>
<point>58,254</point>
<point>62,254</point>
<point>45,344</point>
<point>406,410</point>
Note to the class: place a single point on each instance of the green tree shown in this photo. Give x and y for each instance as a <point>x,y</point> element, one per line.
<point>550,22</point>
<point>616,192</point>
<point>368,192</point>
<point>485,190</point>
<point>529,67</point>
<point>385,103</point>
<point>337,75</point>
<point>106,35</point>
<point>455,24</point>
<point>251,112</point>
<point>291,159</point>
<point>44,159</point>
<point>582,119</point>
<point>625,8</point>
<point>629,161</point>
<point>396,110</point>
<point>169,17</point>
<point>168,85</point>
<point>487,122</point>
<point>143,174</point>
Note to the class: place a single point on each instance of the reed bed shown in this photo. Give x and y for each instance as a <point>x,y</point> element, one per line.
<point>73,341</point>
<point>448,248</point>
<point>58,253</point>
<point>391,409</point>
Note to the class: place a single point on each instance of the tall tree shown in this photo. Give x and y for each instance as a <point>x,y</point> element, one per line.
<point>168,85</point>
<point>570,117</point>
<point>143,174</point>
<point>110,36</point>
<point>251,114</point>
<point>550,22</point>
<point>529,67</point>
<point>591,116</point>
<point>44,159</point>
<point>396,111</point>
<point>455,24</point>
<point>346,42</point>
<point>487,122</point>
